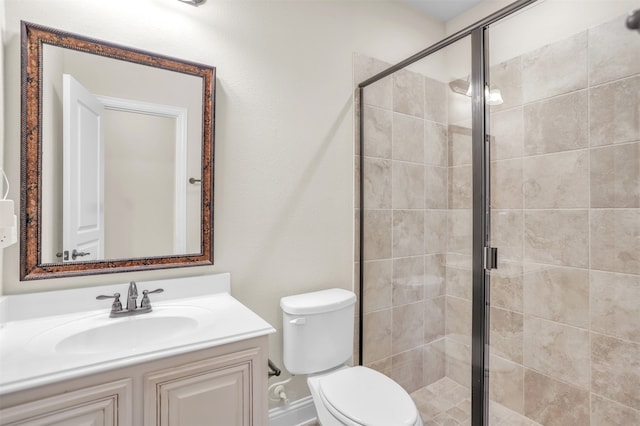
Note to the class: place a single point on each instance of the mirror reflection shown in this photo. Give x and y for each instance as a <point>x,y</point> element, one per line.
<point>121,143</point>
<point>122,153</point>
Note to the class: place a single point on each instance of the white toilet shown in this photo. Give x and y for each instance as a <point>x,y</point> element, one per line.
<point>318,340</point>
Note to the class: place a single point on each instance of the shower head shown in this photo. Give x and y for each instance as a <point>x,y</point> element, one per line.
<point>460,86</point>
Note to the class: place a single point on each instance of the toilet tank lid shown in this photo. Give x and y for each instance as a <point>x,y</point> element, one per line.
<point>318,301</point>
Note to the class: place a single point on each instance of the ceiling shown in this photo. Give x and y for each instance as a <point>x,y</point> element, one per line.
<point>443,10</point>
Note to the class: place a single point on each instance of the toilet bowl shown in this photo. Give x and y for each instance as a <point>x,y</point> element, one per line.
<point>318,340</point>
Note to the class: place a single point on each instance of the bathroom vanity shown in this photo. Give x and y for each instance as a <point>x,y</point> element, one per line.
<point>200,357</point>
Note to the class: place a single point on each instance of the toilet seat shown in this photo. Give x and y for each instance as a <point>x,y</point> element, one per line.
<point>362,396</point>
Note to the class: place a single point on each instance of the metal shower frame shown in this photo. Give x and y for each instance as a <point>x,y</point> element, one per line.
<point>483,256</point>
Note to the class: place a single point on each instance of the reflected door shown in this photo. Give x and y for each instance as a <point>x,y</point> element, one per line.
<point>83,171</point>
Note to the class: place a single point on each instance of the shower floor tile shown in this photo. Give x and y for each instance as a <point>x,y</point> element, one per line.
<point>447,403</point>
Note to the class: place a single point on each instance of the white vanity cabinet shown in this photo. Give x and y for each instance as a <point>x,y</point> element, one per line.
<point>225,385</point>
<point>108,404</point>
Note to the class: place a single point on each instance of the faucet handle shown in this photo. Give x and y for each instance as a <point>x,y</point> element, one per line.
<point>145,302</point>
<point>117,305</point>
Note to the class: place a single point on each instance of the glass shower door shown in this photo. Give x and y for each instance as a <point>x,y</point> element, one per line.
<point>417,226</point>
<point>565,217</point>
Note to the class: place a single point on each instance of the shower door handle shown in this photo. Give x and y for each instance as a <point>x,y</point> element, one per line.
<point>490,258</point>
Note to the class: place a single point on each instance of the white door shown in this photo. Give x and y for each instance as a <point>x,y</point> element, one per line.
<point>83,173</point>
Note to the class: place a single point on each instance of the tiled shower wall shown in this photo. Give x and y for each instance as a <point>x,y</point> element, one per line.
<point>405,199</point>
<point>565,315</point>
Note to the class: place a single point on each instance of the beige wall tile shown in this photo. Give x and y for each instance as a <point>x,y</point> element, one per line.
<point>458,320</point>
<point>459,108</point>
<point>557,124</point>
<point>506,233</point>
<point>408,185</point>
<point>408,138</point>
<point>408,280</point>
<point>507,76</point>
<point>435,231</point>
<point>407,327</point>
<point>435,101</point>
<point>557,350</point>
<point>434,319</point>
<point>615,245</point>
<point>459,228</point>
<point>506,383</point>
<point>555,69</point>
<point>458,362</point>
<point>406,369</point>
<point>376,336</point>
<point>434,276</point>
<point>434,358</point>
<point>506,331</point>
<point>435,144</point>
<point>408,93</point>
<point>377,183</point>
<point>408,233</point>
<point>377,132</point>
<point>557,294</point>
<point>615,176</point>
<point>507,285</point>
<point>558,237</point>
<point>615,305</point>
<point>610,45</point>
<point>559,180</point>
<point>459,278</point>
<point>459,187</point>
<point>507,137</point>
<point>377,234</point>
<point>379,93</point>
<point>435,187</point>
<point>553,403</point>
<point>377,285</point>
<point>506,184</point>
<point>383,366</point>
<point>613,112</point>
<point>615,369</point>
<point>605,412</point>
<point>459,145</point>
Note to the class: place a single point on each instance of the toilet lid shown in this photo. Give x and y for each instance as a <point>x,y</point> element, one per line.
<point>368,398</point>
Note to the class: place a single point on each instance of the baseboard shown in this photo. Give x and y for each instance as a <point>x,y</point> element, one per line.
<point>297,413</point>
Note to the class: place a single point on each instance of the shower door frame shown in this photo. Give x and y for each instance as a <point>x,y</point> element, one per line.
<point>483,256</point>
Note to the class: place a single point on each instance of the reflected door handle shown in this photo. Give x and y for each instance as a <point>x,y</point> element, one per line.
<point>64,255</point>
<point>75,253</point>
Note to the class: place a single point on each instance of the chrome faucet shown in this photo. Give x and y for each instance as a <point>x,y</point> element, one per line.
<point>132,296</point>
<point>132,304</point>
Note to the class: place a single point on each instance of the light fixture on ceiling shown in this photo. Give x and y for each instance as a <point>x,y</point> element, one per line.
<point>193,2</point>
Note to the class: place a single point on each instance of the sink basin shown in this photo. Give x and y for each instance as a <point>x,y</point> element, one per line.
<point>126,334</point>
<point>99,334</point>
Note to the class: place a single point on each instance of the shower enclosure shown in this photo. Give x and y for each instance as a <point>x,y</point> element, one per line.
<point>498,213</point>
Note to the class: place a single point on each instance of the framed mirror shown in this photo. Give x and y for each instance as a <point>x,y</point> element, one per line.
<point>117,158</point>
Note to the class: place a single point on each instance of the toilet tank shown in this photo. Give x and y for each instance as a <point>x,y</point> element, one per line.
<point>318,330</point>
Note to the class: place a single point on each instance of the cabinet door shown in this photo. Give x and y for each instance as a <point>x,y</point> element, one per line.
<point>103,405</point>
<point>217,391</point>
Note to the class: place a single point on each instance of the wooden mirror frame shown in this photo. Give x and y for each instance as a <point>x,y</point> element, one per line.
<point>33,39</point>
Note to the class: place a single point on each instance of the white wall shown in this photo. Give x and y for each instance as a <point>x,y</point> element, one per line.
<point>284,126</point>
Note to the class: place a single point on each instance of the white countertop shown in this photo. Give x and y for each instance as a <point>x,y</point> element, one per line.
<point>29,357</point>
